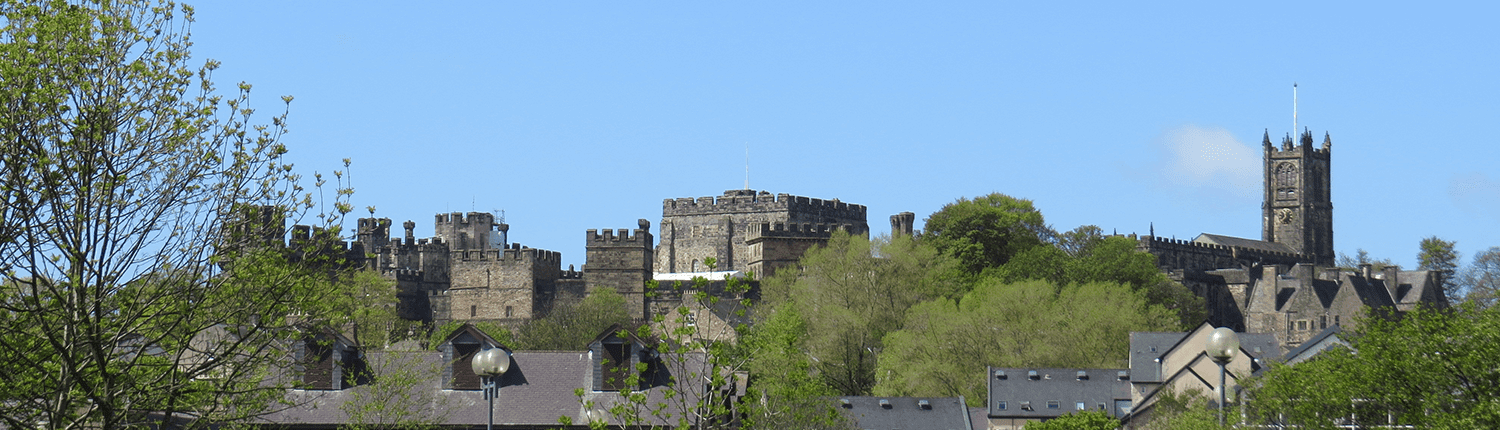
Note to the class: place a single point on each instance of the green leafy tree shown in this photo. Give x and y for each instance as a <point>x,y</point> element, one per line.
<point>783,392</point>
<point>1440,256</point>
<point>987,231</point>
<point>401,394</point>
<point>1433,368</point>
<point>1189,410</point>
<point>945,345</point>
<point>123,168</point>
<point>851,298</point>
<point>571,326</point>
<point>1480,282</point>
<point>1085,420</point>
<point>1112,259</point>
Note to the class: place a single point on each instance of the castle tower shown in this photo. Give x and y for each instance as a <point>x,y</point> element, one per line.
<point>693,230</point>
<point>901,224</point>
<point>374,233</point>
<point>474,231</point>
<point>621,261</point>
<point>1298,207</point>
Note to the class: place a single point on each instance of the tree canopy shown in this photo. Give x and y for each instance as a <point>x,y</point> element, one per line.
<point>127,300</point>
<point>1434,368</point>
<point>1440,256</point>
<point>986,231</point>
<point>945,345</point>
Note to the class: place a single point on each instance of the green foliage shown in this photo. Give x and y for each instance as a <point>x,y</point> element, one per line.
<point>1109,260</point>
<point>127,301</point>
<point>1440,256</point>
<point>1481,280</point>
<point>986,231</point>
<point>783,392</point>
<point>1431,369</point>
<point>850,299</point>
<point>1085,420</point>
<point>945,345</point>
<point>570,327</point>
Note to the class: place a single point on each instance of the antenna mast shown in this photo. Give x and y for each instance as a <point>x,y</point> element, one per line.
<point>1294,111</point>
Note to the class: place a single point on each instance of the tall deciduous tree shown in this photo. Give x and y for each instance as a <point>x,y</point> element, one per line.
<point>1481,280</point>
<point>1440,256</point>
<point>851,298</point>
<point>945,345</point>
<point>987,231</point>
<point>121,167</point>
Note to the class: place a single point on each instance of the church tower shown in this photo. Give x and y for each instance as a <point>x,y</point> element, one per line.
<point>1298,208</point>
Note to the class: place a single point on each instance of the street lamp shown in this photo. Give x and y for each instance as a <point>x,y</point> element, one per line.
<point>489,364</point>
<point>1222,345</point>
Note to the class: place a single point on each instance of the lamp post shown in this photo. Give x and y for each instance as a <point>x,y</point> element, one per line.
<point>1222,344</point>
<point>489,364</point>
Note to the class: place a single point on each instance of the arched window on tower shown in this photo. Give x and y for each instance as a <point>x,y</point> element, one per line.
<point>1286,181</point>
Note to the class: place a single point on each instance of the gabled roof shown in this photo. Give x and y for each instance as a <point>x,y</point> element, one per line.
<point>1015,385</point>
<point>468,333</point>
<point>1146,348</point>
<point>1244,243</point>
<point>1320,342</point>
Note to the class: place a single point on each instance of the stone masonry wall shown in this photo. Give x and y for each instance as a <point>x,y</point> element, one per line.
<point>695,229</point>
<point>623,261</point>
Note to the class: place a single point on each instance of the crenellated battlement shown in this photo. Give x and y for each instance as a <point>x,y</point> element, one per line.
<point>482,218</point>
<point>515,253</point>
<point>739,201</point>
<point>796,230</point>
<point>1149,243</point>
<point>621,236</point>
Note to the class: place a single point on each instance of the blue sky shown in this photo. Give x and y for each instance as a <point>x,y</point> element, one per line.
<point>577,115</point>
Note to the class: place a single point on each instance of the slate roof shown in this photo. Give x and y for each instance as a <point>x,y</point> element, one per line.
<point>1147,347</point>
<point>907,413</point>
<point>1243,243</point>
<point>538,388</point>
<point>1325,339</point>
<point>1018,388</point>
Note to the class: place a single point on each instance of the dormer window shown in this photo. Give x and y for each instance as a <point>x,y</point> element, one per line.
<point>616,355</point>
<point>330,361</point>
<point>458,350</point>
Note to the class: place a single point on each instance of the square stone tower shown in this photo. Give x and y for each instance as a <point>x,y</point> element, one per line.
<point>1298,208</point>
<point>693,230</point>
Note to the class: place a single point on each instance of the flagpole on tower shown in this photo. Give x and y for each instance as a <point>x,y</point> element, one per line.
<point>1294,110</point>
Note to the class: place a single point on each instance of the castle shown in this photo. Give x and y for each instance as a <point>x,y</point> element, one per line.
<point>467,271</point>
<point>1285,283</point>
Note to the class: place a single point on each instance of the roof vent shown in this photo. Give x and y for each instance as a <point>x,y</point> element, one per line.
<point>885,403</point>
<point>1031,374</point>
<point>924,404</point>
<point>1082,375</point>
<point>999,374</point>
<point>1122,375</point>
<point>845,403</point>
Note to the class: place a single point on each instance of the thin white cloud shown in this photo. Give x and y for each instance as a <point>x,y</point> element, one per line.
<point>1476,193</point>
<point>1208,161</point>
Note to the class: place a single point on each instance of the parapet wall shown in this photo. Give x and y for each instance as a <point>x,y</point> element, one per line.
<point>622,236</point>
<point>1198,256</point>
<point>796,230</point>
<point>515,253</point>
<point>740,201</point>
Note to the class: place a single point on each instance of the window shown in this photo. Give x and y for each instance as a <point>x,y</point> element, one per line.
<point>509,312</point>
<point>616,366</point>
<point>1053,404</point>
<point>1101,406</point>
<point>1080,406</point>
<point>1302,325</point>
<point>1026,406</point>
<point>473,310</point>
<point>1335,320</point>
<point>1000,405</point>
<point>1323,322</point>
<point>691,319</point>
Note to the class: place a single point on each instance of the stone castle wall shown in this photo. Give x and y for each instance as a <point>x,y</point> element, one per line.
<point>775,246</point>
<point>693,230</point>
<point>623,261</point>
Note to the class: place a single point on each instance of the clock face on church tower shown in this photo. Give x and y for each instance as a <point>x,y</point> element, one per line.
<point>1285,216</point>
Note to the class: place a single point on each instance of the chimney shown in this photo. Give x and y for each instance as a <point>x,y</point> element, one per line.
<point>901,224</point>
<point>1364,270</point>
